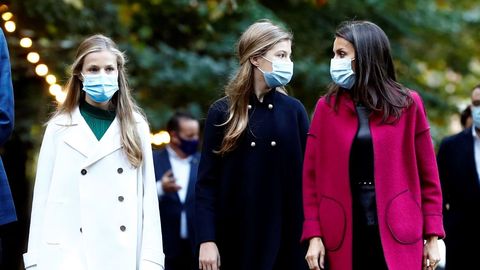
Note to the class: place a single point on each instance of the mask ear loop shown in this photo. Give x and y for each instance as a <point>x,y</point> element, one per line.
<point>266,59</point>
<point>260,69</point>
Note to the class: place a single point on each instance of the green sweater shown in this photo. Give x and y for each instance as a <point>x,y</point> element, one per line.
<point>97,119</point>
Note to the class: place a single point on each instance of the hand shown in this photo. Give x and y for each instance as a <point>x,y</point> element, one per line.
<point>168,182</point>
<point>316,254</point>
<point>209,257</point>
<point>431,254</point>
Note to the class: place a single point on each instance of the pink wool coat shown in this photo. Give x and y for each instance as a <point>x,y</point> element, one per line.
<point>408,193</point>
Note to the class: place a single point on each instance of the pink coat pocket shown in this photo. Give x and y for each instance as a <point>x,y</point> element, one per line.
<point>404,218</point>
<point>332,222</point>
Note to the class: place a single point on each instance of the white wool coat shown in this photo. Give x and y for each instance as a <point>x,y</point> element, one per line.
<point>91,208</point>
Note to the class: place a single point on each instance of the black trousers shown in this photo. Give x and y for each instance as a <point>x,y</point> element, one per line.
<point>185,260</point>
<point>367,248</point>
<point>1,252</point>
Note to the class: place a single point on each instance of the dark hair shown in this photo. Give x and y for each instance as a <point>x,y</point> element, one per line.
<point>375,85</point>
<point>476,86</point>
<point>464,115</point>
<point>173,123</point>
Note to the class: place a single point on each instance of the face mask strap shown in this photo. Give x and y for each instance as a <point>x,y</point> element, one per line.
<point>260,69</point>
<point>266,59</point>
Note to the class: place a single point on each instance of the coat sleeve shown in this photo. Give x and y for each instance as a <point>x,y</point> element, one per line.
<point>428,174</point>
<point>151,254</point>
<point>311,224</point>
<point>6,92</point>
<point>303,125</point>
<point>40,194</point>
<point>207,186</point>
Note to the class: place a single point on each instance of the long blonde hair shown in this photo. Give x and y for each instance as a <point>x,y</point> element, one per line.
<point>122,101</point>
<point>259,38</point>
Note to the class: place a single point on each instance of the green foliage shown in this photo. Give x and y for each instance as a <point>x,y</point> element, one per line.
<point>182,52</point>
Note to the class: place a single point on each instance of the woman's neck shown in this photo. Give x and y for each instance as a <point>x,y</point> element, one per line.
<point>260,87</point>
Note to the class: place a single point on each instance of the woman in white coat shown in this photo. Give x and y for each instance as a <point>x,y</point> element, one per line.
<point>95,205</point>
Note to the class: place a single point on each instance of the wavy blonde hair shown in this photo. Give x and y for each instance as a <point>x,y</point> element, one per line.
<point>122,101</point>
<point>256,41</point>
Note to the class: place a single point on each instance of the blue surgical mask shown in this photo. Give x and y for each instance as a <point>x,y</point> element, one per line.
<point>476,116</point>
<point>281,74</point>
<point>189,147</point>
<point>100,87</point>
<point>342,73</point>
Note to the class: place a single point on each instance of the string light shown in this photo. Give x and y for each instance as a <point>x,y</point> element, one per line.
<point>51,79</point>
<point>61,96</point>
<point>162,137</point>
<point>7,16</point>
<point>33,57</point>
<point>55,89</point>
<point>26,42</point>
<point>10,26</point>
<point>41,70</point>
<point>3,8</point>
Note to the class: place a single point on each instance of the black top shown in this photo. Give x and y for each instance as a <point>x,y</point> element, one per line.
<point>361,172</point>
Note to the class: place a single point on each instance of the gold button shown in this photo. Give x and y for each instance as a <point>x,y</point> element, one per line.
<point>273,143</point>
<point>270,106</point>
<point>252,144</point>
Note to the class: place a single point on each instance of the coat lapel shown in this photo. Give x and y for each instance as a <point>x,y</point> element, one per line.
<point>82,139</point>
<point>109,143</point>
<point>469,156</point>
<point>192,178</point>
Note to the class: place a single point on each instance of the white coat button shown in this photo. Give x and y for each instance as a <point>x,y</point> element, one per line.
<point>123,228</point>
<point>249,106</point>
<point>120,170</point>
<point>81,231</point>
<point>252,144</point>
<point>83,171</point>
<point>270,106</point>
<point>273,143</point>
<point>120,198</point>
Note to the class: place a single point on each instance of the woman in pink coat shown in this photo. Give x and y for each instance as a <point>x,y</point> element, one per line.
<point>372,195</point>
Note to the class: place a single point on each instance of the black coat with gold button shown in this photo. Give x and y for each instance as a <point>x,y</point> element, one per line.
<point>249,201</point>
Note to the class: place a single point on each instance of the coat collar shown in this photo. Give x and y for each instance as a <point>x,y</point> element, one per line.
<point>267,99</point>
<point>82,139</point>
<point>347,100</point>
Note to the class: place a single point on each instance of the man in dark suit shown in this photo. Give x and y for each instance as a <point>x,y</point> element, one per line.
<point>176,173</point>
<point>459,163</point>
<point>7,209</point>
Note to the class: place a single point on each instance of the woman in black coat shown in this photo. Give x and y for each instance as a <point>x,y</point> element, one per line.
<point>248,194</point>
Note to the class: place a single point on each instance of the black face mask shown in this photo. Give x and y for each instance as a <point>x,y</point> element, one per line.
<point>189,147</point>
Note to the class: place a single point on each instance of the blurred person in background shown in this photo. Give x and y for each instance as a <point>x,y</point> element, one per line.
<point>466,118</point>
<point>176,172</point>
<point>248,195</point>
<point>372,195</point>
<point>459,165</point>
<point>95,203</point>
